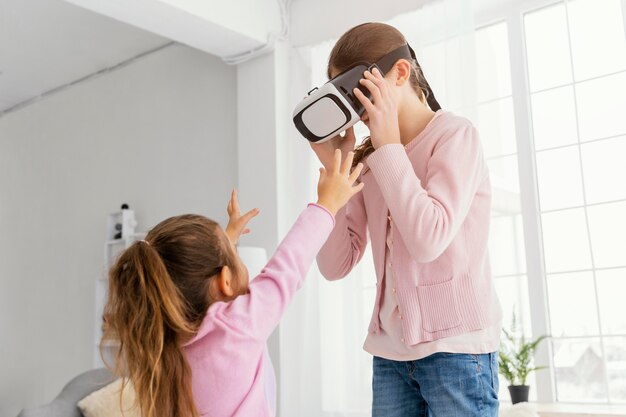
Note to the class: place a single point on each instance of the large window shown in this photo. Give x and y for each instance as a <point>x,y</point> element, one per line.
<point>547,91</point>
<point>490,107</point>
<point>577,84</point>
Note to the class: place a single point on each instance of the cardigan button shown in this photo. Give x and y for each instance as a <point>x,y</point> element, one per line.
<point>402,340</point>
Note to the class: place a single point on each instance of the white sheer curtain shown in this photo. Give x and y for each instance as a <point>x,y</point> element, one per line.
<point>323,369</point>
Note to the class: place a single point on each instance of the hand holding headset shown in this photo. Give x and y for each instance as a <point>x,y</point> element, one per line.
<point>331,109</point>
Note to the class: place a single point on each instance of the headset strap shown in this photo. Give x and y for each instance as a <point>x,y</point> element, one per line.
<point>387,62</point>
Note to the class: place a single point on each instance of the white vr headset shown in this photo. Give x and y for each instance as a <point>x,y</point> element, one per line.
<point>331,109</point>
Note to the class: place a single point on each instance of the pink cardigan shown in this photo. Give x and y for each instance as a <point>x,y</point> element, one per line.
<point>437,196</point>
<point>228,360</point>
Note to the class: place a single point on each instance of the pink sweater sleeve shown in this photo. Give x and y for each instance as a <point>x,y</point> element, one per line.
<point>260,311</point>
<point>429,216</point>
<point>347,242</point>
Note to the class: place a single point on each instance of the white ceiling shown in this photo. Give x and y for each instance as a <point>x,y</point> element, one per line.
<point>224,29</point>
<point>315,21</point>
<point>45,44</point>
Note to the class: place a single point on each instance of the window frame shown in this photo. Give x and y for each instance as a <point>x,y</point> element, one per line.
<point>513,15</point>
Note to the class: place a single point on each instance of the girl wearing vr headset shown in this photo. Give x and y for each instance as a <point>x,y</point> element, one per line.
<point>435,328</point>
<point>192,329</point>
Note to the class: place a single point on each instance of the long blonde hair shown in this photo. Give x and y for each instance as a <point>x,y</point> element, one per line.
<point>158,297</point>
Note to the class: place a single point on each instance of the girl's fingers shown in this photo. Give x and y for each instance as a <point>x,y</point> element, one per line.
<point>371,85</point>
<point>377,78</point>
<point>377,74</point>
<point>355,173</point>
<point>234,204</point>
<point>235,201</point>
<point>357,189</point>
<point>337,162</point>
<point>347,164</point>
<point>349,134</point>
<point>249,215</point>
<point>245,231</point>
<point>369,107</point>
<point>347,143</point>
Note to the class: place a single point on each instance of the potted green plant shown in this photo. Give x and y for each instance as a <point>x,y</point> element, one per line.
<point>516,362</point>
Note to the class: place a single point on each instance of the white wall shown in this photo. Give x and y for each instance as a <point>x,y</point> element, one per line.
<point>217,27</point>
<point>259,105</point>
<point>159,134</point>
<point>274,173</point>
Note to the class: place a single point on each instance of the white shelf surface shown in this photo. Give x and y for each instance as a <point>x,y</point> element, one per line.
<point>574,409</point>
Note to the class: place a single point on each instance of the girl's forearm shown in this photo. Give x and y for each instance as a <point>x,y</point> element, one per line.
<point>347,242</point>
<point>428,218</point>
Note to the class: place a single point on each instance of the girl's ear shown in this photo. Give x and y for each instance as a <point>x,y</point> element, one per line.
<point>403,71</point>
<point>224,281</point>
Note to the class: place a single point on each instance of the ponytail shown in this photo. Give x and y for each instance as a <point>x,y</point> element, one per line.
<point>146,313</point>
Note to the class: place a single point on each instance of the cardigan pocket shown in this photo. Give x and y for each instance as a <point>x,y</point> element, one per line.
<point>439,306</point>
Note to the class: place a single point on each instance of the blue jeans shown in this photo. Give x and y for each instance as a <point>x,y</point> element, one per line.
<point>440,385</point>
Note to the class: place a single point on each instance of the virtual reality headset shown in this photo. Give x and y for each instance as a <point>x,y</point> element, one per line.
<point>331,109</point>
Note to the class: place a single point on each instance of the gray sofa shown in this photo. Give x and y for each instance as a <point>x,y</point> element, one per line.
<point>64,405</point>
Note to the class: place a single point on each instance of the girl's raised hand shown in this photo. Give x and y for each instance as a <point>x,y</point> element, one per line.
<point>382,110</point>
<point>326,151</point>
<point>237,223</point>
<point>336,185</point>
